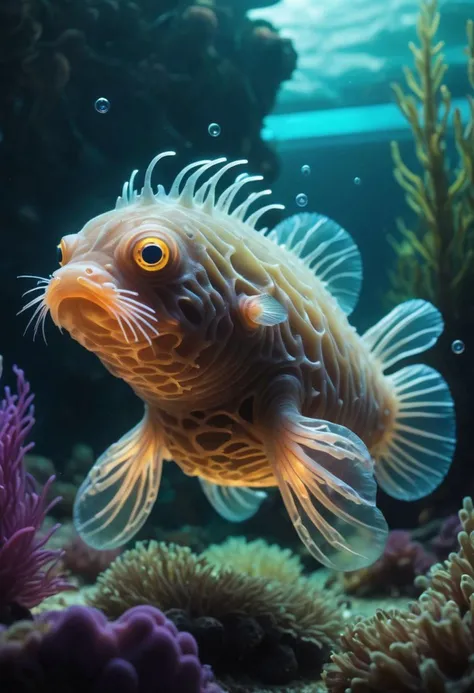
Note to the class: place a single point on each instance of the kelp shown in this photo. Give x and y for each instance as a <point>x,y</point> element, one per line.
<point>435,259</point>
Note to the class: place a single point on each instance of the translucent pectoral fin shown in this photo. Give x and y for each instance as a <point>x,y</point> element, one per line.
<point>121,488</point>
<point>326,478</point>
<point>233,503</point>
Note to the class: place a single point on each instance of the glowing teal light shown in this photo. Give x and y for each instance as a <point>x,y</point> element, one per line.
<point>370,120</point>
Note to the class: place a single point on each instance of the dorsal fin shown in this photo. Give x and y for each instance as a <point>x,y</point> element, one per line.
<point>328,250</point>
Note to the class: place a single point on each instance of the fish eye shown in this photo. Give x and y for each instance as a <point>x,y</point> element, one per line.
<point>151,254</point>
<point>60,248</point>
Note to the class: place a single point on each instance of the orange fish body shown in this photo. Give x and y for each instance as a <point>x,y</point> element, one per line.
<point>238,343</point>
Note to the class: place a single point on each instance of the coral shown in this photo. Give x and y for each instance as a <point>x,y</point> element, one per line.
<point>28,570</point>
<point>446,540</point>
<point>427,649</point>
<point>85,562</point>
<point>269,631</point>
<point>435,262</point>
<point>77,650</point>
<point>257,558</point>
<point>394,572</point>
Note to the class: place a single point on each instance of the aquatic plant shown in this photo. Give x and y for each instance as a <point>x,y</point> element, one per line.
<point>428,648</point>
<point>394,572</point>
<point>257,558</point>
<point>268,631</point>
<point>28,570</point>
<point>434,261</point>
<point>77,649</point>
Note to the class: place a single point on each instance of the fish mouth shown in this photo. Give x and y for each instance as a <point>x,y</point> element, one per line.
<point>90,304</point>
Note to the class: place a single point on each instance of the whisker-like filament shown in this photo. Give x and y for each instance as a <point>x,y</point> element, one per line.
<point>35,288</point>
<point>136,309</point>
<point>125,318</point>
<point>139,318</point>
<point>140,305</point>
<point>138,326</point>
<point>43,324</point>
<point>40,321</point>
<point>33,302</point>
<point>35,314</point>
<point>34,276</point>
<point>119,320</point>
<point>126,291</point>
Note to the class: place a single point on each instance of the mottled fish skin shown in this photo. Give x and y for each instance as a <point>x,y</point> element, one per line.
<point>200,375</point>
<point>249,370</point>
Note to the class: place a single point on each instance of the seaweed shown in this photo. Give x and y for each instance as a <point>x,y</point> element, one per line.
<point>434,261</point>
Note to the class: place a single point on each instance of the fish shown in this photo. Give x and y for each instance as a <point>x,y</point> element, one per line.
<point>237,339</point>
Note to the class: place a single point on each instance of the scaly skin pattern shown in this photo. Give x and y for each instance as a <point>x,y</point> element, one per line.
<point>201,376</point>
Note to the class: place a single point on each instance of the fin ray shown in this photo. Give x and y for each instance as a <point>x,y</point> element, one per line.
<point>328,250</point>
<point>120,490</point>
<point>411,328</point>
<point>419,450</point>
<point>326,479</point>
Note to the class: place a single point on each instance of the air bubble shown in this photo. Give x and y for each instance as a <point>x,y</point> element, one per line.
<point>214,129</point>
<point>306,170</point>
<point>102,105</point>
<point>458,346</point>
<point>357,180</point>
<point>301,200</point>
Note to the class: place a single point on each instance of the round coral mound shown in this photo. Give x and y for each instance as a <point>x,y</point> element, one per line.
<point>78,650</point>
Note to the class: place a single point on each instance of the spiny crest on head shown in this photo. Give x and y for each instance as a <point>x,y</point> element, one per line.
<point>204,196</point>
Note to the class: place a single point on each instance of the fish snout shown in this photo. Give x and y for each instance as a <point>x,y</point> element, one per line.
<point>86,281</point>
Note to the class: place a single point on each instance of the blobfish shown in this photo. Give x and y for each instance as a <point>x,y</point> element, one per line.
<point>237,341</point>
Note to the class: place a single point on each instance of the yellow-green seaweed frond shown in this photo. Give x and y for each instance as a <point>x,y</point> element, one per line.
<point>435,258</point>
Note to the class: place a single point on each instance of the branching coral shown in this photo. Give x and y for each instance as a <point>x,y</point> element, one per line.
<point>28,572</point>
<point>267,630</point>
<point>427,649</point>
<point>77,650</point>
<point>394,572</point>
<point>435,261</point>
<point>257,558</point>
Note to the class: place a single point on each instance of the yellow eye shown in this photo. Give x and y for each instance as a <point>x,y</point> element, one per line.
<point>151,254</point>
<point>61,252</point>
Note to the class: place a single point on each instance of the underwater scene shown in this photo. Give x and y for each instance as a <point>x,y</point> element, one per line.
<point>236,346</point>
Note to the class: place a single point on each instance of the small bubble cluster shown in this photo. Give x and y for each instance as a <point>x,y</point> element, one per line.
<point>102,105</point>
<point>458,346</point>
<point>306,170</point>
<point>301,200</point>
<point>214,129</point>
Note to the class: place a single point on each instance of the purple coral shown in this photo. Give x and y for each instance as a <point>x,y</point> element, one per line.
<point>28,571</point>
<point>141,652</point>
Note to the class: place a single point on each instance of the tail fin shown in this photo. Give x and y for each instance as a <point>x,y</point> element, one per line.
<point>419,450</point>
